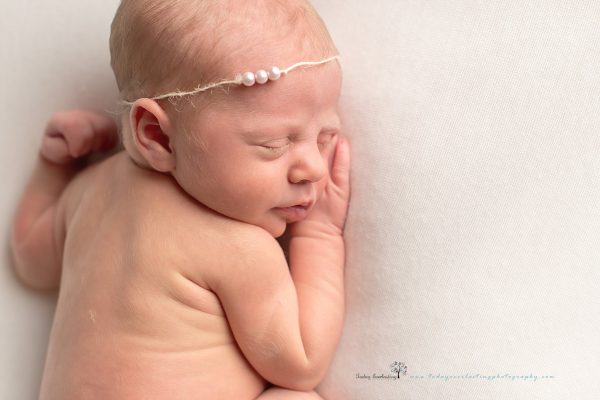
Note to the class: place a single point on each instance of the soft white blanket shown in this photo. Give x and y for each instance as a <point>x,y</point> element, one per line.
<point>474,228</point>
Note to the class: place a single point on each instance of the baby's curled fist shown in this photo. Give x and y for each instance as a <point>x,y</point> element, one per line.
<point>70,135</point>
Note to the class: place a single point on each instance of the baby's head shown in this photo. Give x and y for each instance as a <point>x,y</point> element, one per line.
<point>241,151</point>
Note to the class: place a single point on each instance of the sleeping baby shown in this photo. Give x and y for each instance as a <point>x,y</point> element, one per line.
<point>172,282</point>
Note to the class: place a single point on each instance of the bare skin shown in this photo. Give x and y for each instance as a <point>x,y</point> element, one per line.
<point>164,297</point>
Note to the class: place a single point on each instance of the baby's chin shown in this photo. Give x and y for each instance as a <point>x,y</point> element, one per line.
<point>276,231</point>
<point>275,226</point>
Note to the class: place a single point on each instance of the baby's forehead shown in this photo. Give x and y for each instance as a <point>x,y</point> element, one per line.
<point>261,120</point>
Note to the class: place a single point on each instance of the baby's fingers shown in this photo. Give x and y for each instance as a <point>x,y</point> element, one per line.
<point>83,131</point>
<point>340,171</point>
<point>55,149</point>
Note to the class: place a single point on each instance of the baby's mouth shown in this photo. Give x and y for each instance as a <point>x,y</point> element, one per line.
<point>294,213</point>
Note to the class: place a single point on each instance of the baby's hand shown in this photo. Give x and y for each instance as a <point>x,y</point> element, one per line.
<point>329,213</point>
<point>73,134</point>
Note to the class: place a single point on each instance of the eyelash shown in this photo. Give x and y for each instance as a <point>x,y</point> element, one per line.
<point>279,148</point>
<point>274,149</point>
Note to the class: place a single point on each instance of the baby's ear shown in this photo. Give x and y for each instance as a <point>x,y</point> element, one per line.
<point>151,131</point>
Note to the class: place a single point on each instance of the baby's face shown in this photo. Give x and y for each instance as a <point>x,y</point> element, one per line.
<point>269,146</point>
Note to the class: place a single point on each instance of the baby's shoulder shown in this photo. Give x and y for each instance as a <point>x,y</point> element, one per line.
<point>221,247</point>
<point>225,236</point>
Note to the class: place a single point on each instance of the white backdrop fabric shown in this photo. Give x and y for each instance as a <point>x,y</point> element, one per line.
<point>473,237</point>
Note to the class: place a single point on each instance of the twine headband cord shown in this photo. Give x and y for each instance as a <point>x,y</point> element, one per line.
<point>246,79</point>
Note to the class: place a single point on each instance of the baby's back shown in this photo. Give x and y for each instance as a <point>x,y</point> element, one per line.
<point>134,319</point>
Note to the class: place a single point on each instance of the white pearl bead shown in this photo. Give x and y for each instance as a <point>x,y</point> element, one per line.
<point>274,73</point>
<point>248,79</point>
<point>262,76</point>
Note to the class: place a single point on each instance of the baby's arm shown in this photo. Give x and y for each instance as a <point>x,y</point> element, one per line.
<point>39,230</point>
<point>288,326</point>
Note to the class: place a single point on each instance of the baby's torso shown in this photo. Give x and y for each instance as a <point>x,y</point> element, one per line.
<point>134,319</point>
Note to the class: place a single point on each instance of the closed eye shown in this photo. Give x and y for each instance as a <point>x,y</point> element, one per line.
<point>275,148</point>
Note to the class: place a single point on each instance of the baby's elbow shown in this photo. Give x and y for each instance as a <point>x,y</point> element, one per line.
<point>305,379</point>
<point>313,377</point>
<point>307,383</point>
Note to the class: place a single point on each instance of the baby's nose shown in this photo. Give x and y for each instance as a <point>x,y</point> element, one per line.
<point>310,166</point>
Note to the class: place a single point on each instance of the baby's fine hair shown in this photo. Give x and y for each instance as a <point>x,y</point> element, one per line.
<point>164,45</point>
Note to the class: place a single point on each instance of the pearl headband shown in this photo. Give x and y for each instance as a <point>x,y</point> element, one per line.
<point>247,79</point>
